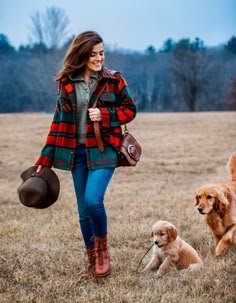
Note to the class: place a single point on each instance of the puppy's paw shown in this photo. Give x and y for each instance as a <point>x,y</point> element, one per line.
<point>219,253</point>
<point>148,268</point>
<point>220,250</point>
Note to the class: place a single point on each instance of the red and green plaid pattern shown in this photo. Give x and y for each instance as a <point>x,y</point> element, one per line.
<point>117,108</point>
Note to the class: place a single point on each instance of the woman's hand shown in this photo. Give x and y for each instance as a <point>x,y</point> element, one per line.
<point>39,168</point>
<point>95,114</point>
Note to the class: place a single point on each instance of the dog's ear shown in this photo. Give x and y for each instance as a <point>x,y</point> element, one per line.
<point>172,233</point>
<point>221,196</point>
<point>221,201</point>
<point>196,201</point>
<point>152,234</point>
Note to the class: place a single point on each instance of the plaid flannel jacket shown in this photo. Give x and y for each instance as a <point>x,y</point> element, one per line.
<point>117,108</point>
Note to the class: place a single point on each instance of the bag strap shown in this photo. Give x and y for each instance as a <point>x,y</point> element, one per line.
<point>96,123</point>
<point>126,131</point>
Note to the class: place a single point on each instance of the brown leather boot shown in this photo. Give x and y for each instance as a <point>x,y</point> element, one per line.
<point>90,270</point>
<point>103,266</point>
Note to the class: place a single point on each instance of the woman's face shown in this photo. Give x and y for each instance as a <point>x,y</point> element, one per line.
<point>96,58</point>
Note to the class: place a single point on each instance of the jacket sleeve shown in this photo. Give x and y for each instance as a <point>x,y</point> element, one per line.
<point>125,112</point>
<point>46,157</point>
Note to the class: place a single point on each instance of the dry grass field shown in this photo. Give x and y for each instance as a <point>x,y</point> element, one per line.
<point>42,253</point>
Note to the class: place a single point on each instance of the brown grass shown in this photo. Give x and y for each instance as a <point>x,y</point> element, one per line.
<point>41,251</point>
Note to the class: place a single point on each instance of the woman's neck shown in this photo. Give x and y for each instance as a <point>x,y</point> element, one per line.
<point>87,74</point>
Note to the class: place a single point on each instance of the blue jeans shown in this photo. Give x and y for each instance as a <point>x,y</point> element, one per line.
<point>90,187</point>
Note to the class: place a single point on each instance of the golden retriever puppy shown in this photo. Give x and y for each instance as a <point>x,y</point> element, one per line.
<point>217,202</point>
<point>170,250</point>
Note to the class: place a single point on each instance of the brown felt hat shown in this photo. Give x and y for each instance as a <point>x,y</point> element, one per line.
<point>38,190</point>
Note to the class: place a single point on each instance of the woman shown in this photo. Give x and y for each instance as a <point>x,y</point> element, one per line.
<point>72,144</point>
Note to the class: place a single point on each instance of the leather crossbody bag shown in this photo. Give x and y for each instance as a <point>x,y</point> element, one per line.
<point>129,151</point>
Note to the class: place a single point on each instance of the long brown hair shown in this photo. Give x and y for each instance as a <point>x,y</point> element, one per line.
<point>78,53</point>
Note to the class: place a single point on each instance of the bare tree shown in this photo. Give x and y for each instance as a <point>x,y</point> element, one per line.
<point>56,31</point>
<point>37,28</point>
<point>50,28</point>
<point>189,64</point>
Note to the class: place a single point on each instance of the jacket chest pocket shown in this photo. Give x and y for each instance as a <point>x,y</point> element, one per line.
<point>65,102</point>
<point>107,99</point>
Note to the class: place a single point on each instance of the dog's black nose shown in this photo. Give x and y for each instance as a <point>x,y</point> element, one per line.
<point>200,209</point>
<point>156,242</point>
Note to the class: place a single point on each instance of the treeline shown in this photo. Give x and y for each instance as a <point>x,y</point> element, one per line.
<point>181,76</point>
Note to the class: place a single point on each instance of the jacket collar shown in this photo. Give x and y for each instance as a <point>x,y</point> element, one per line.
<point>106,73</point>
<point>81,78</point>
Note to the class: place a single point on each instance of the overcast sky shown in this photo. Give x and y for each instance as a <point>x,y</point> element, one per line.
<point>129,24</point>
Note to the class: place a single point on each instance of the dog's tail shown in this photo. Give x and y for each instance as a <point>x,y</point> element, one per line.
<point>232,166</point>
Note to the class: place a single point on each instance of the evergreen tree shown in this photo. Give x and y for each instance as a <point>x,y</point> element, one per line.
<point>231,45</point>
<point>5,47</point>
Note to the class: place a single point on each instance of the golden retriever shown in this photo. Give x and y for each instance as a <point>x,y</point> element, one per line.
<point>218,203</point>
<point>170,250</point>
